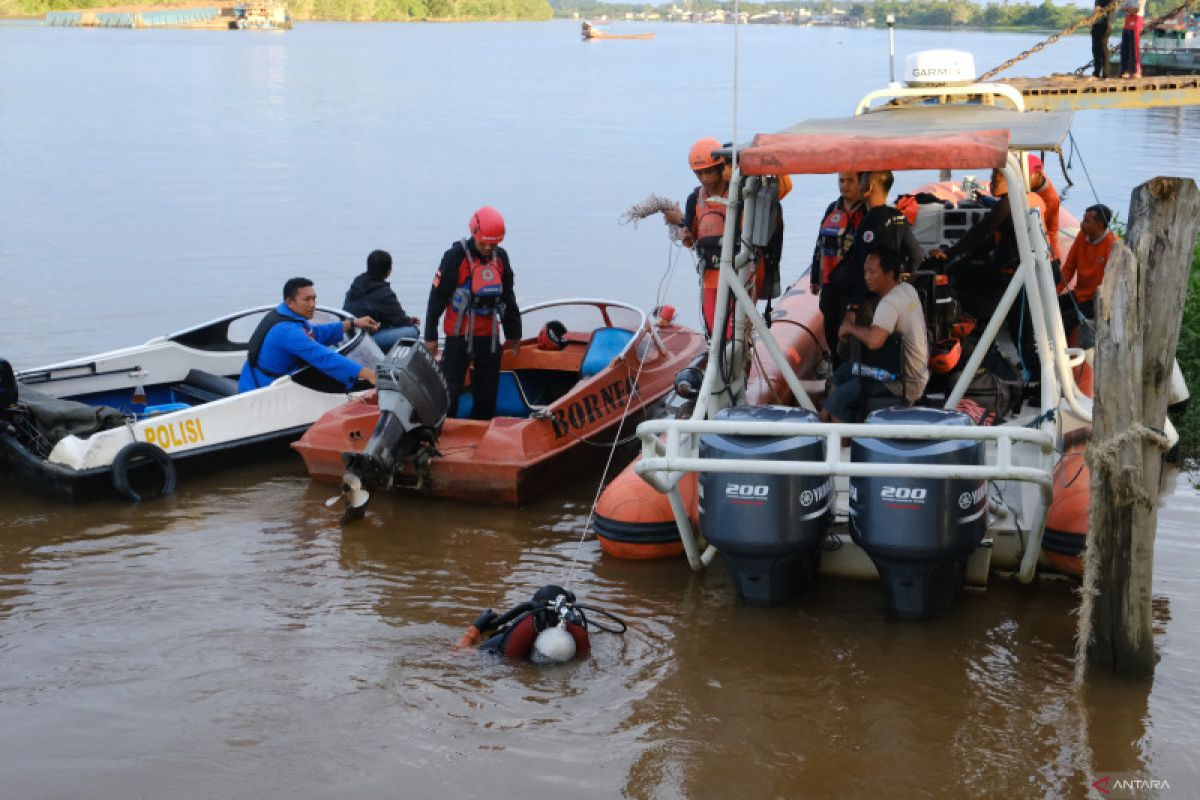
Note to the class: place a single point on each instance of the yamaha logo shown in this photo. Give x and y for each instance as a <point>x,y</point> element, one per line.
<point>968,499</point>
<point>806,498</point>
<point>868,236</point>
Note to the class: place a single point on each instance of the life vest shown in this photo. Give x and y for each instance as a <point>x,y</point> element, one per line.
<point>269,321</point>
<point>889,356</point>
<point>475,304</point>
<point>710,217</point>
<point>708,230</point>
<point>836,235</point>
<point>909,206</point>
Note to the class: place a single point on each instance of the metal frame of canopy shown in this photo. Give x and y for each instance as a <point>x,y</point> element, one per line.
<point>926,138</point>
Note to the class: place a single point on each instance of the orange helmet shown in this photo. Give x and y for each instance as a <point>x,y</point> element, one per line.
<point>963,327</point>
<point>701,155</point>
<point>487,226</point>
<point>552,336</point>
<point>944,356</point>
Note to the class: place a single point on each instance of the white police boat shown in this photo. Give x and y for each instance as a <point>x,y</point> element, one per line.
<point>125,421</point>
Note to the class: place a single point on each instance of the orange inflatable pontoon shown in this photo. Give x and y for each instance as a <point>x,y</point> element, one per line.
<point>633,519</point>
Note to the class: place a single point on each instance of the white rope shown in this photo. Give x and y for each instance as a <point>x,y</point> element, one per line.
<point>664,284</point>
<point>653,204</point>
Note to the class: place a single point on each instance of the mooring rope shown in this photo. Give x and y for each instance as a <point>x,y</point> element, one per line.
<point>664,284</point>
<point>1067,31</point>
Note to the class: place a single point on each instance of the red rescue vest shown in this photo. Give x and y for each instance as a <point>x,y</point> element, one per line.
<point>480,284</point>
<point>837,234</point>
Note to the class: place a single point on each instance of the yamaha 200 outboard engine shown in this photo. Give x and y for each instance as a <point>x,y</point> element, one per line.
<point>768,528</point>
<point>413,401</point>
<point>918,531</point>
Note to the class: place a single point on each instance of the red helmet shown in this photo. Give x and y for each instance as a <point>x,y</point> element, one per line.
<point>487,226</point>
<point>701,155</point>
<point>1035,164</point>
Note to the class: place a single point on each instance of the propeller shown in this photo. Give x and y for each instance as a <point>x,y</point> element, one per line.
<point>353,493</point>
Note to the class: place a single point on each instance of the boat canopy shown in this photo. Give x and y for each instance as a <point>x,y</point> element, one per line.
<point>905,138</point>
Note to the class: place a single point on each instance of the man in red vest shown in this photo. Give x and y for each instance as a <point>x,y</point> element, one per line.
<point>473,291</point>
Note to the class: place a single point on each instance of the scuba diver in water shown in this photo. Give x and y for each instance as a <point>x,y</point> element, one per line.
<point>552,627</point>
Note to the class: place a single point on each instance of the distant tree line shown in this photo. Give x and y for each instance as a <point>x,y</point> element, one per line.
<point>358,10</point>
<point>908,13</point>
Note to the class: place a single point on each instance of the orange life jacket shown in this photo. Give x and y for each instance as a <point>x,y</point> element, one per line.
<point>708,228</point>
<point>710,217</point>
<point>475,304</point>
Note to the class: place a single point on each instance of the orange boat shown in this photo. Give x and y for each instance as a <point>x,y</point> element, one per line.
<point>591,31</point>
<point>633,519</point>
<point>554,401</point>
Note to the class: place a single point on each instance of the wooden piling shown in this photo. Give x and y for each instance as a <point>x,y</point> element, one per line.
<point>1139,312</point>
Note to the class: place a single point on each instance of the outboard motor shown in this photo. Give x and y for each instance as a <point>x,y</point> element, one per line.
<point>413,401</point>
<point>768,528</point>
<point>918,531</point>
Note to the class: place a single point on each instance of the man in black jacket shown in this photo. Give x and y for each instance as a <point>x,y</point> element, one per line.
<point>370,295</point>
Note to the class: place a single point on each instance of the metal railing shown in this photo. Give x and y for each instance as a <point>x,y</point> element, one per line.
<point>670,447</point>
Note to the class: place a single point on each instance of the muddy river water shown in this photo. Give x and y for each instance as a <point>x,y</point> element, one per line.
<point>235,640</point>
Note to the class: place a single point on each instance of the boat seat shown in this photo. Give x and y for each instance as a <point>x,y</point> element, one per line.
<point>510,399</point>
<point>605,345</point>
<point>206,387</point>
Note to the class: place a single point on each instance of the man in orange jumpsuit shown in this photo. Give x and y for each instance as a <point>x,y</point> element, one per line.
<point>1085,263</point>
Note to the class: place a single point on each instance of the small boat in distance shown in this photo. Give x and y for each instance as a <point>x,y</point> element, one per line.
<point>591,31</point>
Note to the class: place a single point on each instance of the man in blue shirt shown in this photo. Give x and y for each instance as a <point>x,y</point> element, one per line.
<point>285,341</point>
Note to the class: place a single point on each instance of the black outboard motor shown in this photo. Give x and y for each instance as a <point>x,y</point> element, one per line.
<point>413,401</point>
<point>918,531</point>
<point>768,528</point>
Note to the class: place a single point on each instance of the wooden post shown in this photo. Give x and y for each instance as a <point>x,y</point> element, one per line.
<point>1138,318</point>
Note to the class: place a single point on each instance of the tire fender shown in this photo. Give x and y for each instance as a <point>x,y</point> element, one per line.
<point>142,452</point>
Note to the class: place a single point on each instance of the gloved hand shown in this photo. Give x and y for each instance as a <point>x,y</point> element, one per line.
<point>485,620</point>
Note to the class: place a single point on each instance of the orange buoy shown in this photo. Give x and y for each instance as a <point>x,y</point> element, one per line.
<point>1067,519</point>
<point>634,520</point>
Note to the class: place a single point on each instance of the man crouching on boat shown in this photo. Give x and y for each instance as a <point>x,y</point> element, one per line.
<point>285,341</point>
<point>896,360</point>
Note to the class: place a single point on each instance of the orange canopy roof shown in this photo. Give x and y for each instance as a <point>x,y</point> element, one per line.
<point>821,153</point>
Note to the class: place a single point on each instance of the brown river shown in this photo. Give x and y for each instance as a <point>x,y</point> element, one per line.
<point>235,640</point>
